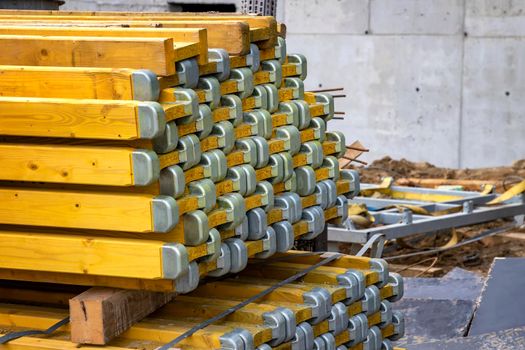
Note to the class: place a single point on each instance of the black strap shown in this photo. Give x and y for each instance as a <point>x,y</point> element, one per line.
<point>242,304</point>
<point>15,335</point>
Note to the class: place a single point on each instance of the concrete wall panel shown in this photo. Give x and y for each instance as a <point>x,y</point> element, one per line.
<point>493,129</point>
<point>326,16</point>
<point>495,17</point>
<point>403,92</point>
<point>416,16</point>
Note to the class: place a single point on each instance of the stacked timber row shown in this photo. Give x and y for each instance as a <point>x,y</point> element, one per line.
<point>346,304</point>
<point>148,151</point>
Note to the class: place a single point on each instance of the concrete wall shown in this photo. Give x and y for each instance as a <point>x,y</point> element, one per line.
<point>428,80</point>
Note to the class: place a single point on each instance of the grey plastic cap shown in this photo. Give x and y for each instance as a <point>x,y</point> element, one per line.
<point>174,260</point>
<point>165,213</point>
<point>145,85</point>
<point>146,167</point>
<point>151,120</point>
<point>172,181</point>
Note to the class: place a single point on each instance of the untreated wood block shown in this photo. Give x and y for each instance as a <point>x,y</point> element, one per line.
<point>100,314</point>
<point>105,52</point>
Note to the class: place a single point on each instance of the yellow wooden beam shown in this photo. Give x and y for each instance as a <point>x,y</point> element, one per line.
<point>74,118</point>
<point>188,35</point>
<point>105,52</point>
<point>103,256</point>
<point>87,210</point>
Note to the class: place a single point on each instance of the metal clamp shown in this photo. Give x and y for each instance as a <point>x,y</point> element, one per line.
<point>340,142</point>
<point>373,340</point>
<point>291,136</point>
<point>188,281</point>
<point>263,151</point>
<point>189,149</point>
<point>396,282</point>
<point>304,337</point>
<point>165,212</point>
<point>260,121</point>
<point>371,301</point>
<point>319,127</point>
<point>239,254</point>
<point>249,150</point>
<point>225,136</point>
<point>175,260</point>
<point>353,177</point>
<point>253,59</point>
<point>357,329</point>
<point>306,180</point>
<point>280,49</point>
<point>272,97</point>
<point>238,339</point>
<point>168,140</point>
<point>146,86</point>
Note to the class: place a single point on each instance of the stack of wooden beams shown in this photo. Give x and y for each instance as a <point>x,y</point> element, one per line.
<point>150,151</point>
<point>347,304</point>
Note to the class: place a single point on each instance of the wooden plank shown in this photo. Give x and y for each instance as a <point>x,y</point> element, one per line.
<point>88,255</point>
<point>188,35</point>
<point>105,52</point>
<point>70,209</point>
<point>67,82</point>
<point>159,285</point>
<point>100,314</point>
<point>67,164</point>
<point>232,35</point>
<point>72,118</point>
<point>30,343</point>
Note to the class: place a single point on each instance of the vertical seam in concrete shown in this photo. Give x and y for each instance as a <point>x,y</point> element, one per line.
<point>462,72</point>
<point>369,28</point>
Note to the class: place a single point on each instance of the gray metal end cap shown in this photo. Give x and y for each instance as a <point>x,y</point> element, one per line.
<point>319,344</point>
<point>175,260</point>
<point>254,58</point>
<point>329,341</point>
<point>276,322</point>
<point>188,281</point>
<point>204,122</point>
<point>297,85</point>
<point>251,179</point>
<point>146,167</point>
<point>213,90</point>
<point>234,103</point>
<point>319,127</point>
<point>244,77</point>
<point>266,190</point>
<point>290,322</point>
<point>239,254</point>
<point>300,61</point>
<point>238,339</point>
<point>151,120</point>
<point>305,117</point>
<point>371,302</point>
<point>213,245</point>
<point>291,110</point>
<point>361,281</point>
<point>165,212</point>
<point>168,140</point>
<point>146,86</point>
<point>261,93</point>
<point>272,97</point>
<point>321,302</point>
<point>308,334</point>
<point>342,347</point>
<point>398,320</point>
<point>263,151</point>
<point>223,262</point>
<point>357,329</point>
<point>188,72</point>
<point>172,181</point>
<point>264,347</point>
<point>257,223</point>
<point>275,68</point>
<point>285,235</point>
<point>192,99</point>
<point>353,177</point>
<point>243,229</point>
<point>306,180</point>
<point>269,244</point>
<point>280,49</point>
<point>222,59</point>
<point>196,228</point>
<point>338,320</point>
<point>215,165</point>
<point>351,285</point>
<point>374,339</point>
<point>387,345</point>
<point>386,313</point>
<point>398,286</point>
<point>328,101</point>
<point>381,266</point>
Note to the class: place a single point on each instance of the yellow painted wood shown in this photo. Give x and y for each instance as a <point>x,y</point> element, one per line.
<point>278,188</point>
<point>259,34</point>
<point>285,94</point>
<point>83,255</point>
<point>74,209</point>
<point>106,52</point>
<point>243,130</point>
<point>345,261</point>
<point>60,117</point>
<point>66,82</point>
<point>277,146</point>
<point>329,147</point>
<point>235,158</point>
<point>279,119</point>
<point>309,201</point>
<point>261,77</point>
<point>322,174</point>
<point>231,35</point>
<point>263,173</point>
<point>307,135</point>
<point>330,213</point>
<point>317,110</point>
<point>209,143</point>
<point>343,186</point>
<point>159,285</point>
<point>289,70</point>
<point>238,61</point>
<point>181,35</point>
<point>66,164</point>
<point>275,215</point>
<point>299,159</point>
<point>300,228</point>
<point>30,343</point>
<point>254,201</point>
<point>229,87</point>
<point>220,114</point>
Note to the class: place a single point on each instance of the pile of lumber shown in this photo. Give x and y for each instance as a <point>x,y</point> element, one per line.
<point>347,304</point>
<point>150,151</point>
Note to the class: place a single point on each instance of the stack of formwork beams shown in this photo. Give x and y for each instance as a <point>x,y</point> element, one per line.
<point>148,151</point>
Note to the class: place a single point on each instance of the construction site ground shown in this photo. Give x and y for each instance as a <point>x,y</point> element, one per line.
<point>477,256</point>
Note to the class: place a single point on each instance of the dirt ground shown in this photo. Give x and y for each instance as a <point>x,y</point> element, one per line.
<point>477,256</point>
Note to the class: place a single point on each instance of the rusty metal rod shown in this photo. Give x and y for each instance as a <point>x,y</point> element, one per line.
<point>358,148</point>
<point>338,118</point>
<point>328,90</point>
<point>341,113</point>
<point>339,96</point>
